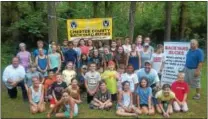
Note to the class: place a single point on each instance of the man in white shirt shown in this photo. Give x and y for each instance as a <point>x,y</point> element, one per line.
<point>13,76</point>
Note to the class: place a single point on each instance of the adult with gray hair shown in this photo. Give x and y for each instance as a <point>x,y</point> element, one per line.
<point>194,60</point>
<point>24,56</point>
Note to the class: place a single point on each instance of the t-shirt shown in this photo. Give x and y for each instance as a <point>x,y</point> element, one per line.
<point>110,79</point>
<point>151,76</point>
<point>70,55</point>
<point>36,52</point>
<point>92,79</point>
<point>84,49</point>
<point>145,56</point>
<point>78,51</point>
<point>58,89</point>
<point>68,75</point>
<point>159,95</point>
<point>193,58</point>
<point>144,94</point>
<point>29,75</point>
<point>151,49</point>
<point>97,60</point>
<point>127,48</point>
<point>49,82</point>
<point>54,60</point>
<point>103,97</point>
<point>180,89</point>
<point>24,58</point>
<point>132,78</point>
<point>121,58</point>
<point>157,60</point>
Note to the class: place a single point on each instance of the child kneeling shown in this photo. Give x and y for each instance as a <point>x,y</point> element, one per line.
<point>181,89</point>
<point>165,99</point>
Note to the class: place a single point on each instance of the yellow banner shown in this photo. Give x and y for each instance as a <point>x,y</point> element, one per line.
<point>95,28</point>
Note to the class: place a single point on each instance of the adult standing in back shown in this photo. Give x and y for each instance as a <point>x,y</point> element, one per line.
<point>145,54</point>
<point>194,60</point>
<point>13,76</point>
<point>24,56</point>
<point>147,40</point>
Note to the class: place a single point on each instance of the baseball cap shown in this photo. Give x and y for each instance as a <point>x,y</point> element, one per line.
<point>147,61</point>
<point>84,66</point>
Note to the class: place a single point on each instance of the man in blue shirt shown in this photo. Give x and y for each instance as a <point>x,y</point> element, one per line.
<point>70,54</point>
<point>194,59</point>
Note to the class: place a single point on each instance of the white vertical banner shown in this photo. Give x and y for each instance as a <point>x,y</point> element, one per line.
<point>175,59</point>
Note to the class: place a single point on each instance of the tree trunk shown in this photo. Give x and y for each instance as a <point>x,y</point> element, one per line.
<point>52,22</point>
<point>132,11</point>
<point>14,18</point>
<point>95,9</point>
<point>108,9</point>
<point>182,20</point>
<point>168,7</point>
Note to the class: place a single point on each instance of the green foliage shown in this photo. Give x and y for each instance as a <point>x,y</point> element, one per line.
<point>149,19</point>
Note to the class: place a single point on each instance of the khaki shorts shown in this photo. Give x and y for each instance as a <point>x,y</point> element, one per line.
<point>193,82</point>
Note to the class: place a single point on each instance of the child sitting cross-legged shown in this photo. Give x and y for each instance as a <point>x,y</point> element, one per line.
<point>102,99</point>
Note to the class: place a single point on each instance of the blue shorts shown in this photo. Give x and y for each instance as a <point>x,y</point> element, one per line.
<point>154,101</point>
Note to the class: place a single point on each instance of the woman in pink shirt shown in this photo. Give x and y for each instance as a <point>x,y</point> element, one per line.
<point>83,47</point>
<point>24,56</point>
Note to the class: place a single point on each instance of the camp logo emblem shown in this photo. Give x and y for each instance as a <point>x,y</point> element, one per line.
<point>73,24</point>
<point>106,23</point>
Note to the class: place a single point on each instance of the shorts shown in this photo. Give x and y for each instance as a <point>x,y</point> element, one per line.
<point>165,105</point>
<point>193,82</point>
<point>67,113</point>
<point>114,97</point>
<point>52,101</point>
<point>154,101</point>
<point>143,105</point>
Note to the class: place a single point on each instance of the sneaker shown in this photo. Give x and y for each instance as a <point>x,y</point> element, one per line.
<point>196,97</point>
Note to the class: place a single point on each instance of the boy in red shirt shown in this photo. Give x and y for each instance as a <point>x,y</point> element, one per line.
<point>181,89</point>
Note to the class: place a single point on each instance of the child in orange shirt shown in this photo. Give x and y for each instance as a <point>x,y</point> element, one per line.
<point>48,82</point>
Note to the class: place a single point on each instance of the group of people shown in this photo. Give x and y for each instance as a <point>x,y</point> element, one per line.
<point>128,75</point>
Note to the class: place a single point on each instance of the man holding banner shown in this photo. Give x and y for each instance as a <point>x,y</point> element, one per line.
<point>194,59</point>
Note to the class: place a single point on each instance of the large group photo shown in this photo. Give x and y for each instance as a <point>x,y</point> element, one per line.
<point>103,59</point>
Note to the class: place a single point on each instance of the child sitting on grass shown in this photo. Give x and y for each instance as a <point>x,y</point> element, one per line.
<point>125,105</point>
<point>181,89</point>
<point>144,98</point>
<point>36,96</point>
<point>165,99</point>
<point>102,99</point>
<point>66,101</point>
<point>74,91</point>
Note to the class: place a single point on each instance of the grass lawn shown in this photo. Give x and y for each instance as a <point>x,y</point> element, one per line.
<point>19,109</point>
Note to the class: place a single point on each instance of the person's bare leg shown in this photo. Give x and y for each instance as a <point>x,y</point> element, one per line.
<point>33,109</point>
<point>152,111</point>
<point>144,110</point>
<point>158,109</point>
<point>170,109</point>
<point>60,115</point>
<point>110,104</point>
<point>42,107</point>
<point>121,112</point>
<point>137,110</point>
